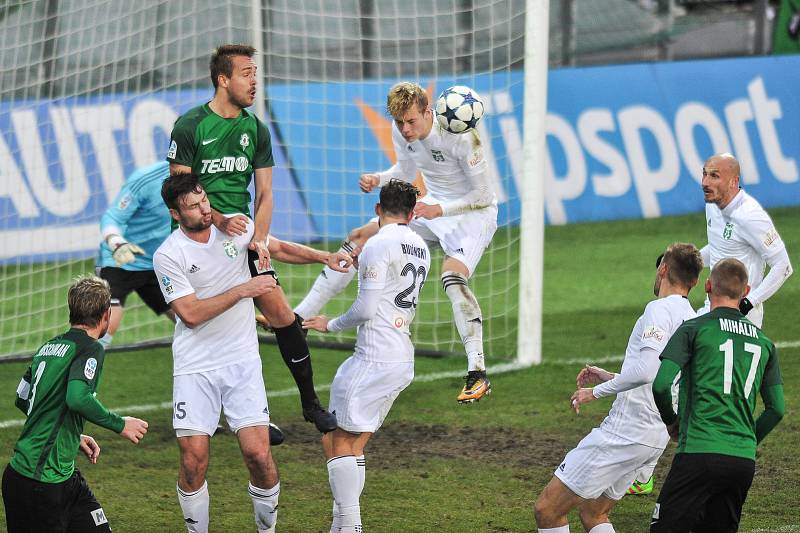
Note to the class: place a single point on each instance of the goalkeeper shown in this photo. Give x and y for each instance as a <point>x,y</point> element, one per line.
<point>133,227</point>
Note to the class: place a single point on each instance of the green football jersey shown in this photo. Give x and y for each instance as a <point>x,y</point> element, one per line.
<point>223,152</point>
<point>725,360</point>
<point>50,438</point>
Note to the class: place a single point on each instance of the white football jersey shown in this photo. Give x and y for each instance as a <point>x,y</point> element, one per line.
<point>183,267</point>
<point>633,414</point>
<point>396,261</point>
<point>743,230</point>
<point>451,166</point>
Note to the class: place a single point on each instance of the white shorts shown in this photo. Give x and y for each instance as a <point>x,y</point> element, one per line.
<point>363,392</point>
<point>462,237</point>
<point>604,464</point>
<point>236,389</point>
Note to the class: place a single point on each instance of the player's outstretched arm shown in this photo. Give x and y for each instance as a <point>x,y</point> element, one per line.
<point>298,254</point>
<point>194,311</point>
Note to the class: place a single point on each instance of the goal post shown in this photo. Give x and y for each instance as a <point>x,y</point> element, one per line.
<point>87,104</point>
<point>531,190</point>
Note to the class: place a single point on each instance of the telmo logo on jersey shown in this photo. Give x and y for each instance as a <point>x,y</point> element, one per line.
<point>224,164</point>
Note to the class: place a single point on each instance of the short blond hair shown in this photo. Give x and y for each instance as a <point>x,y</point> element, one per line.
<point>403,96</point>
<point>88,299</point>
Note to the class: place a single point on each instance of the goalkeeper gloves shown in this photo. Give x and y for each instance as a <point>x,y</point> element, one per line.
<point>745,306</point>
<point>122,251</point>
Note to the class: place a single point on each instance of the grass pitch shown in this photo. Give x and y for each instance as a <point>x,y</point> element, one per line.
<point>436,465</point>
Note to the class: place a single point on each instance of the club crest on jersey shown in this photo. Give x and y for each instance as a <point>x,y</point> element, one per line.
<point>244,140</point>
<point>437,156</point>
<point>230,249</point>
<point>728,231</point>
<point>90,368</point>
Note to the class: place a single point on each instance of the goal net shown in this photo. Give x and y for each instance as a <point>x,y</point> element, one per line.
<point>90,90</point>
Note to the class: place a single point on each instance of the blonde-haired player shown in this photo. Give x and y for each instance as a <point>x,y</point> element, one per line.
<point>458,212</point>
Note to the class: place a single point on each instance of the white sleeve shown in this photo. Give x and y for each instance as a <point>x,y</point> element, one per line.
<point>473,164</point>
<point>363,309</point>
<point>705,253</point>
<point>373,269</point>
<point>642,372</point>
<point>405,168</point>
<point>171,279</point>
<point>779,272</point>
<point>761,234</point>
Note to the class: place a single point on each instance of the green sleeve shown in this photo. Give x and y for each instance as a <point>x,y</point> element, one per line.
<point>81,400</point>
<point>772,370</point>
<point>182,145</point>
<point>679,346</point>
<point>773,410</point>
<point>88,364</point>
<point>263,157</point>
<point>662,390</point>
<point>24,392</point>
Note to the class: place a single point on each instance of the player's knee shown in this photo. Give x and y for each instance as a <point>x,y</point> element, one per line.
<point>258,460</point>
<point>278,312</point>
<point>193,472</point>
<point>590,518</point>
<point>542,511</point>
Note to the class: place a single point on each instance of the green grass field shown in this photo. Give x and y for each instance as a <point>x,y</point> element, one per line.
<point>435,465</point>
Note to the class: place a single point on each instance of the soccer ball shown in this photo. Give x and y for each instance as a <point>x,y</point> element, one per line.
<point>458,109</point>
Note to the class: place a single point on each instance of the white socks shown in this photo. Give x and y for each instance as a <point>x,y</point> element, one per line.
<point>467,316</point>
<point>195,509</point>
<point>603,528</point>
<point>362,476</point>
<point>562,529</point>
<point>265,506</point>
<point>105,340</point>
<point>345,480</point>
<point>327,286</point>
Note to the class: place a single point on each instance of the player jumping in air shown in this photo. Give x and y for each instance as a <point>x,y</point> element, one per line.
<point>225,145</point>
<point>458,212</point>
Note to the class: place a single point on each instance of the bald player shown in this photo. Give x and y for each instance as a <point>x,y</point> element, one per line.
<point>738,227</point>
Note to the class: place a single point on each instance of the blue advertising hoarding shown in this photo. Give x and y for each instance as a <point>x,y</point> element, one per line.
<point>623,142</point>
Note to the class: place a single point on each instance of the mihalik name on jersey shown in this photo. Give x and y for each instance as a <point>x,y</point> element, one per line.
<point>446,161</point>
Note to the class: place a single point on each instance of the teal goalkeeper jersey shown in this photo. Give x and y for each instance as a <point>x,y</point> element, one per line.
<point>50,438</point>
<point>725,361</point>
<point>223,152</point>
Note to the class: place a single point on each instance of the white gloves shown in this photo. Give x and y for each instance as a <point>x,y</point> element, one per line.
<point>122,251</point>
